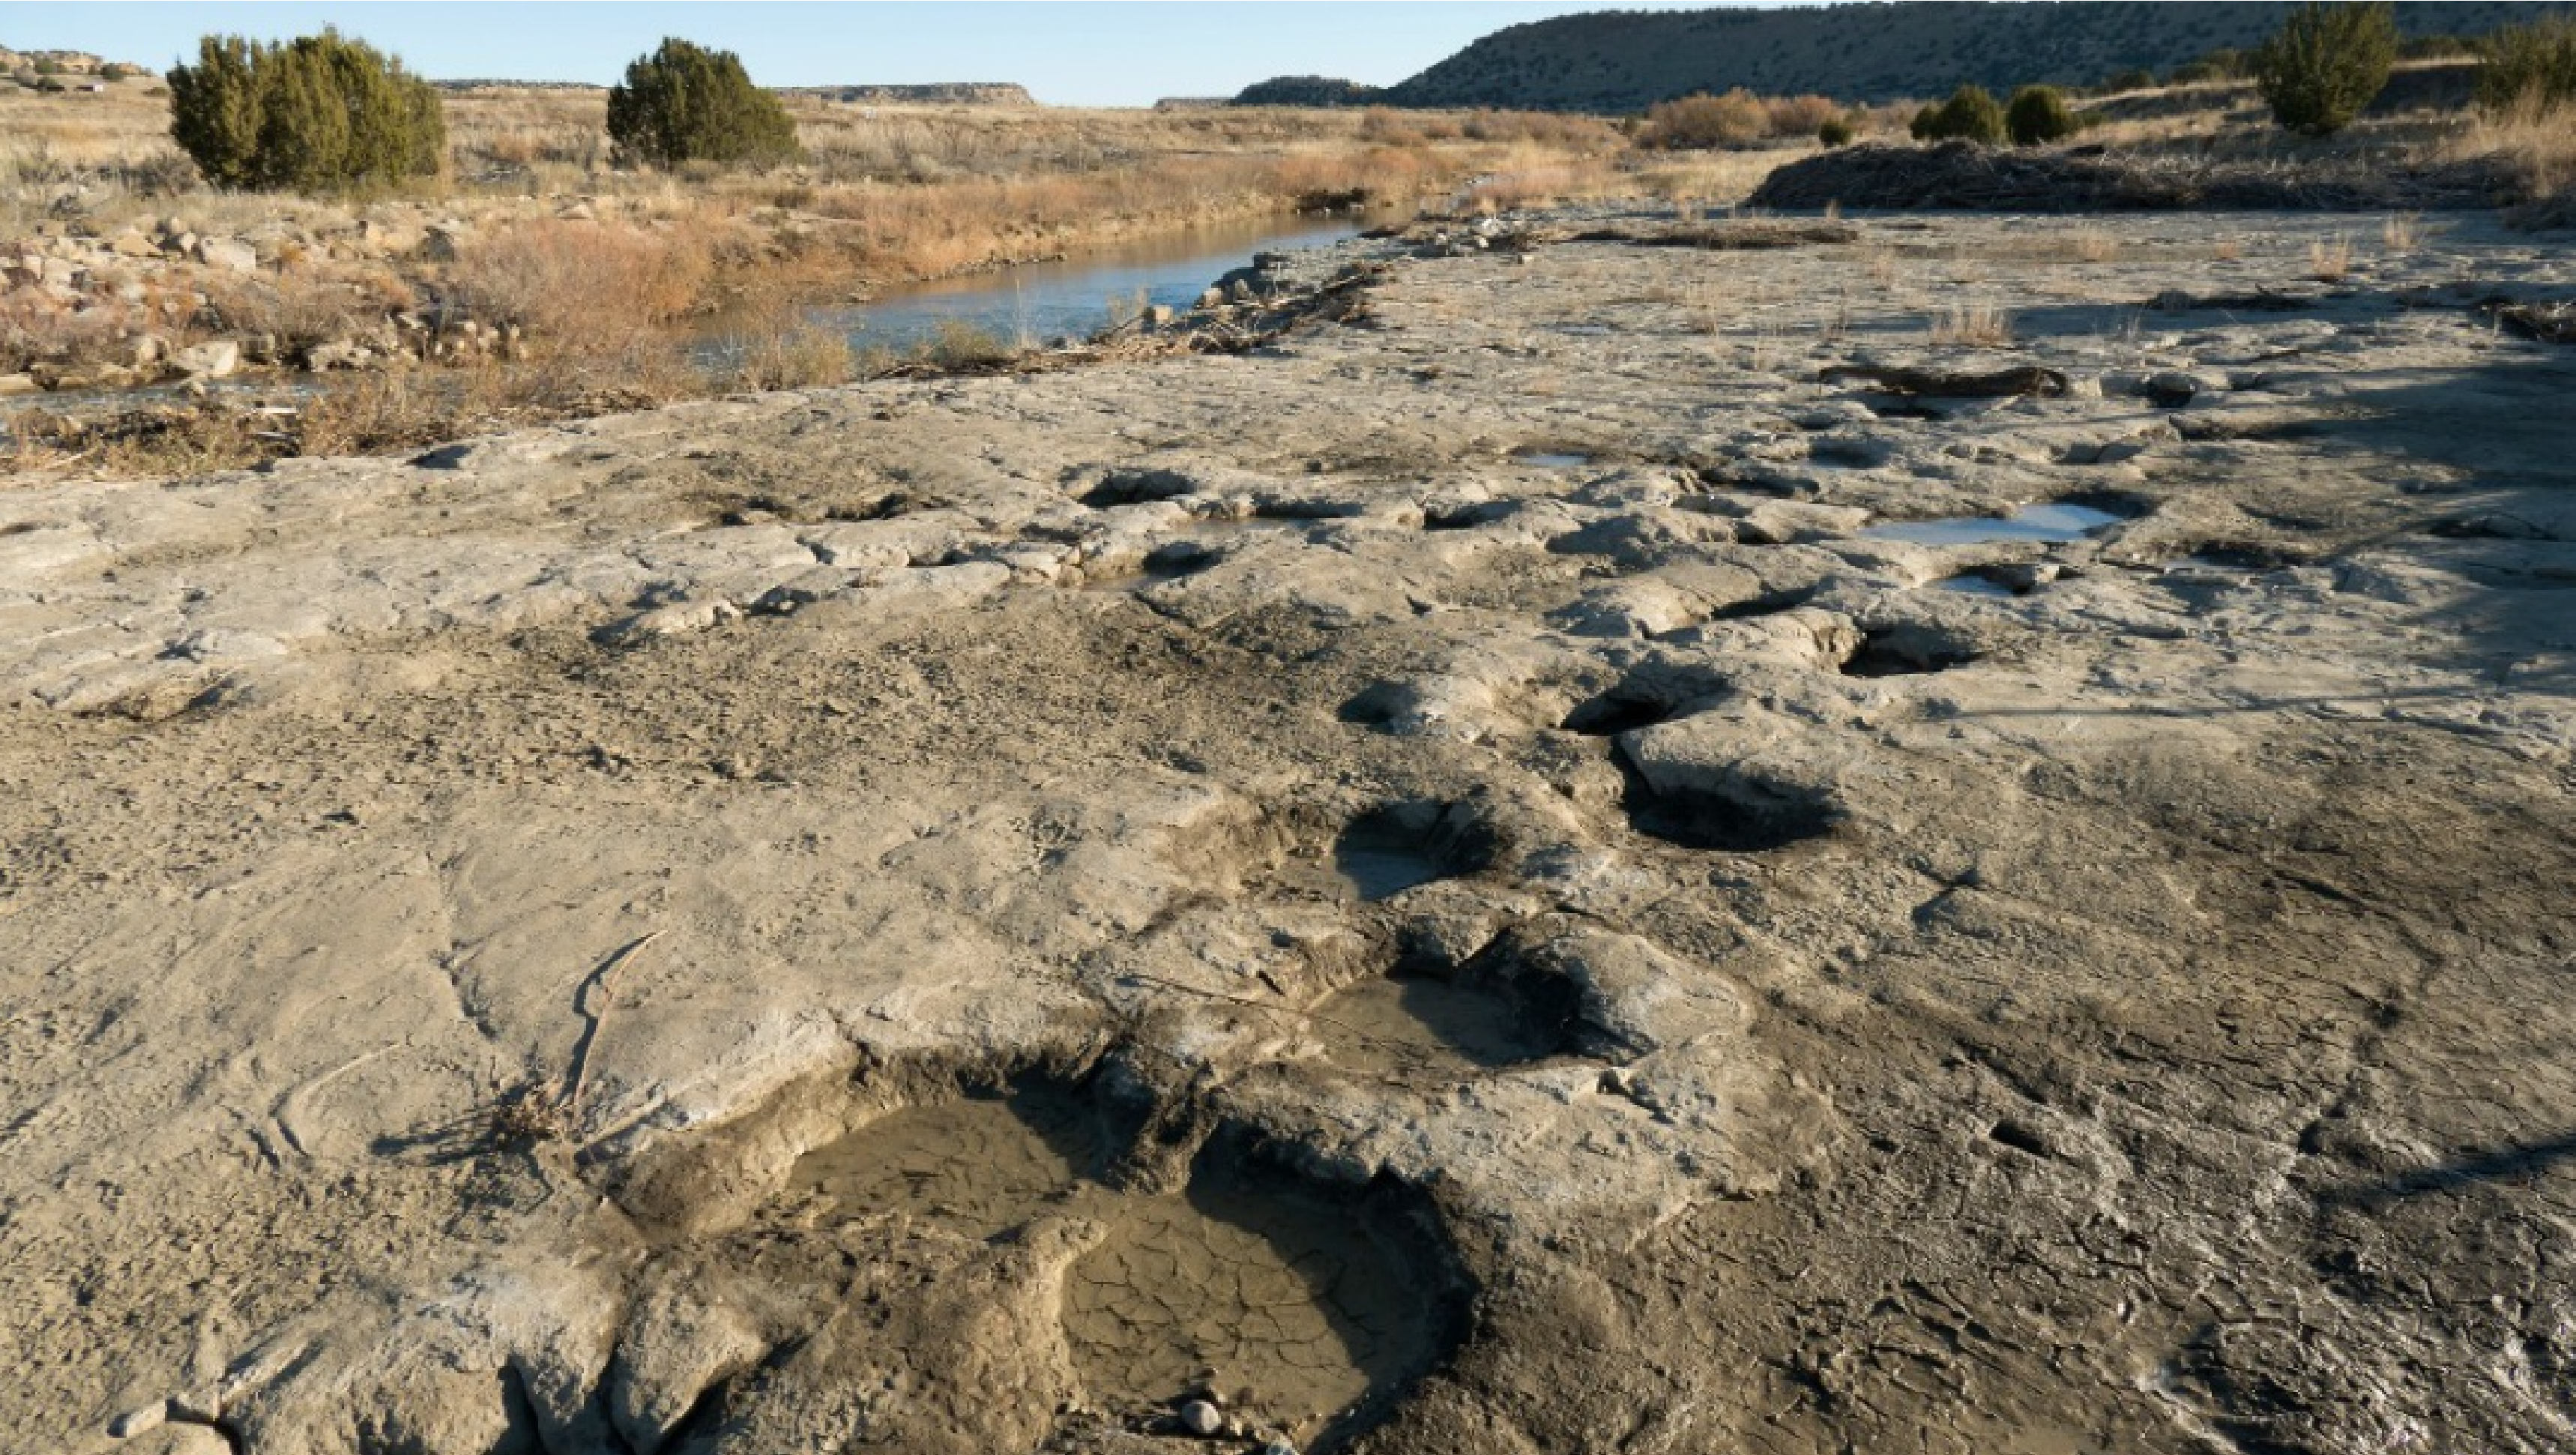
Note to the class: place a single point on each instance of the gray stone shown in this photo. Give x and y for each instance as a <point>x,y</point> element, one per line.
<point>226,252</point>
<point>338,354</point>
<point>1201,1418</point>
<point>215,359</point>
<point>139,1419</point>
<point>201,1405</point>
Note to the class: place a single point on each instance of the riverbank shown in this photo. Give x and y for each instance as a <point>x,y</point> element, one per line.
<point>537,282</point>
<point>115,269</point>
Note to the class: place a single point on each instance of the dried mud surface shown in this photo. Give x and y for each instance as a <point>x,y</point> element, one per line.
<point>1543,926</point>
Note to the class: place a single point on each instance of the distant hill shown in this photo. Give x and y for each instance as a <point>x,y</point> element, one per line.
<point>1625,61</point>
<point>939,93</point>
<point>1307,91</point>
<point>472,83</point>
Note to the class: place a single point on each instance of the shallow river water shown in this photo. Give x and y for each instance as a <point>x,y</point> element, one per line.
<point>1036,302</point>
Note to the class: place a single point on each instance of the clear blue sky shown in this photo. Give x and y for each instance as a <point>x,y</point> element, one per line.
<point>1071,54</point>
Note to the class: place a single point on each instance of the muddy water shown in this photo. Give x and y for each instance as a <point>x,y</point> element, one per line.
<point>1266,1292</point>
<point>982,1164</point>
<point>1410,1026</point>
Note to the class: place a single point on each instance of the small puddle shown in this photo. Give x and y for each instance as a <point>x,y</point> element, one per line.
<point>1384,852</point>
<point>2051,522</point>
<point>1235,525</point>
<point>1383,869</point>
<point>1969,583</point>
<point>1273,1294</point>
<point>982,1164</point>
<point>1397,1027</point>
<point>1553,460</point>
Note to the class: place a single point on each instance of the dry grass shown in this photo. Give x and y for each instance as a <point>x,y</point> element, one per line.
<point>2401,234</point>
<point>1736,119</point>
<point>2536,141</point>
<point>2330,259</point>
<point>1972,326</point>
<point>582,287</point>
<point>608,300</point>
<point>2092,245</point>
<point>793,355</point>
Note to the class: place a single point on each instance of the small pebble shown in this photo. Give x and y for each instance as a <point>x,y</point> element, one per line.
<point>1200,1418</point>
<point>136,1421</point>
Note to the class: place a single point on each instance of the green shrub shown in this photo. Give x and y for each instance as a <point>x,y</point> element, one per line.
<point>2325,64</point>
<point>318,112</point>
<point>684,103</point>
<point>1835,133</point>
<point>1969,115</point>
<point>2136,78</point>
<point>2529,65</point>
<point>2435,47</point>
<point>2039,115</point>
<point>1925,118</point>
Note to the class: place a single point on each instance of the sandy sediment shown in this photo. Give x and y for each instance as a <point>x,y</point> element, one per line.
<point>2095,984</point>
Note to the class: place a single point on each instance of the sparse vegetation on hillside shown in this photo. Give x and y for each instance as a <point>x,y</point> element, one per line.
<point>1971,114</point>
<point>1308,91</point>
<point>2530,68</point>
<point>1621,62</point>
<point>317,113</point>
<point>2039,115</point>
<point>2325,64</point>
<point>684,103</point>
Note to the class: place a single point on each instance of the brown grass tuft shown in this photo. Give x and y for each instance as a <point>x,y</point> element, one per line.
<point>2330,259</point>
<point>1973,326</point>
<point>585,288</point>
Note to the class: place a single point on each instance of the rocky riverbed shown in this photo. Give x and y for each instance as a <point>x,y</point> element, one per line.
<point>1469,879</point>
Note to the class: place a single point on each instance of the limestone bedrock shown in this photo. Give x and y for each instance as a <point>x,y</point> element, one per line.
<point>2120,1007</point>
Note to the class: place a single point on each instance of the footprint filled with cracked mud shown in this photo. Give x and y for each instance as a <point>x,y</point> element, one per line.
<point>1244,1284</point>
<point>1266,1296</point>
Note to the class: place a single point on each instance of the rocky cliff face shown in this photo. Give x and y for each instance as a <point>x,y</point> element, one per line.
<point>940,93</point>
<point>70,63</point>
<point>1626,61</point>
